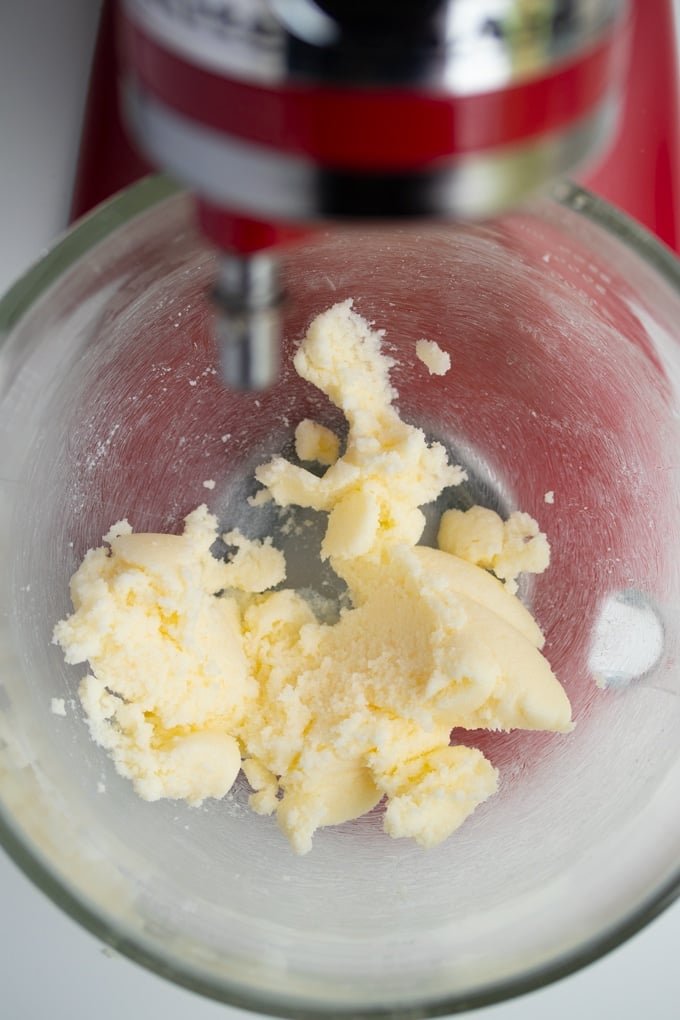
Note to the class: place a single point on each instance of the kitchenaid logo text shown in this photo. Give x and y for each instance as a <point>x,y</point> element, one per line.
<point>552,27</point>
<point>253,22</point>
<point>472,45</point>
<point>246,22</point>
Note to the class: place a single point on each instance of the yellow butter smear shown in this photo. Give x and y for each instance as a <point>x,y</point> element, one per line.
<point>198,669</point>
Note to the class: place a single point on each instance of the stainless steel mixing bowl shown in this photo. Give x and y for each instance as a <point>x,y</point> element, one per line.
<point>562,323</point>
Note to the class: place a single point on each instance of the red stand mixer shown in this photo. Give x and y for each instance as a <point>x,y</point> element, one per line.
<point>283,115</point>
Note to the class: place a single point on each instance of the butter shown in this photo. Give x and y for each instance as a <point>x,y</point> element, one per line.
<point>316,442</point>
<point>437,361</point>
<point>201,668</point>
<point>508,548</point>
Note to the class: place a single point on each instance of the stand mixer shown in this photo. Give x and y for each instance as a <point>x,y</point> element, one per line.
<point>283,116</point>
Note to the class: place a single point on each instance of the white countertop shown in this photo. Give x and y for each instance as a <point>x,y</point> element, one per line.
<point>49,967</point>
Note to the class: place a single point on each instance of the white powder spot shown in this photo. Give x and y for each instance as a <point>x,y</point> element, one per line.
<point>226,437</point>
<point>209,483</point>
<point>193,382</point>
<point>549,497</point>
<point>627,639</point>
<point>101,449</point>
<point>58,706</point>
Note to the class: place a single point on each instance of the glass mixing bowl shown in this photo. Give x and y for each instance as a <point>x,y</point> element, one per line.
<point>561,322</point>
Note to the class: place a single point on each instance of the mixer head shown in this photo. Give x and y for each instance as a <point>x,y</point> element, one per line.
<point>282,115</point>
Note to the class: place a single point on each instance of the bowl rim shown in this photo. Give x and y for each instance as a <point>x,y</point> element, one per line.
<point>77,241</point>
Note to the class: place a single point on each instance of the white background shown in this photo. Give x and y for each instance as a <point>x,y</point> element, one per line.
<point>49,968</point>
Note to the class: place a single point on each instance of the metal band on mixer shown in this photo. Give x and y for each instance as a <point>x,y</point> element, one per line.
<point>262,182</point>
<point>276,145</point>
<point>459,47</point>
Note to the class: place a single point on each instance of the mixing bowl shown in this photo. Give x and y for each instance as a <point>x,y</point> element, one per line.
<point>563,400</point>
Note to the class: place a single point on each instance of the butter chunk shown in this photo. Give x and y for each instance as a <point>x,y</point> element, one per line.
<point>341,355</point>
<point>438,792</point>
<point>316,442</point>
<point>437,361</point>
<point>525,548</point>
<point>153,553</point>
<point>481,586</point>
<point>475,535</point>
<point>166,658</point>
<point>509,548</point>
<point>526,694</point>
<point>194,766</point>
<point>256,566</point>
<point>413,658</point>
<point>353,525</point>
<point>264,800</point>
<point>333,793</point>
<point>393,460</point>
